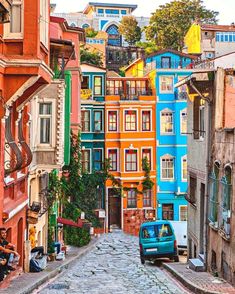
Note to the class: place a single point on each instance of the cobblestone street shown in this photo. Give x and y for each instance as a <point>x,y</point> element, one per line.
<point>113,267</point>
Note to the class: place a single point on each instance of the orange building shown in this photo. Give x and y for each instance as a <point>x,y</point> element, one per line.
<point>24,70</point>
<point>130,108</point>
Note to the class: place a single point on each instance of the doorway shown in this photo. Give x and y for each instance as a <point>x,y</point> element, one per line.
<point>114,208</point>
<point>20,238</point>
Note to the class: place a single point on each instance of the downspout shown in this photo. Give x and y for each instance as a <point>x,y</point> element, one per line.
<point>208,154</point>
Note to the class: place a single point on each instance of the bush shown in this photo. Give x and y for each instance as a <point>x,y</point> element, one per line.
<point>76,236</point>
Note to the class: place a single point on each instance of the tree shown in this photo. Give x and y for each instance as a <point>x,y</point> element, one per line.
<point>94,58</point>
<point>149,47</point>
<point>130,30</point>
<point>90,32</point>
<point>169,24</point>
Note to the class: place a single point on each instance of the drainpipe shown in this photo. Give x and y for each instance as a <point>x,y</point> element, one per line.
<point>208,154</point>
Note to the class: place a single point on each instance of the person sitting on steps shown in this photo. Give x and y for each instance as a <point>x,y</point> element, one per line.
<point>32,239</point>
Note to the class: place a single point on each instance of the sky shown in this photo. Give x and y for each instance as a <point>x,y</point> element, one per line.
<point>226,8</point>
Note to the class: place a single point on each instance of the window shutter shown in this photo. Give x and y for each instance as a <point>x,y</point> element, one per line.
<point>196,105</point>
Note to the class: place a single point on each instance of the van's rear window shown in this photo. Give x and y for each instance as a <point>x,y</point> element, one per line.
<point>157,231</point>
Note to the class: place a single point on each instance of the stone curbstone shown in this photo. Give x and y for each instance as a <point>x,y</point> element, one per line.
<point>190,285</point>
<point>58,270</point>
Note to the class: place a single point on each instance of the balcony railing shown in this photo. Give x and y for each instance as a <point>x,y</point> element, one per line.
<point>167,65</point>
<point>130,94</point>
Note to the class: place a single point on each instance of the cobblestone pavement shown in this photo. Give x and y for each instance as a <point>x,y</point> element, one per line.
<point>113,267</point>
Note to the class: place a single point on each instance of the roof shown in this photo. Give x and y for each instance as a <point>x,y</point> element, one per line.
<point>114,5</point>
<point>62,48</point>
<point>131,64</point>
<point>63,23</point>
<point>174,52</point>
<point>88,66</point>
<point>221,28</point>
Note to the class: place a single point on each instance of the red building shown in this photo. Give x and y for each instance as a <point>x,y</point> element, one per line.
<point>24,70</point>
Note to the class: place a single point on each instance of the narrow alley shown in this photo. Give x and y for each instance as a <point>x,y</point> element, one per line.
<point>113,267</point>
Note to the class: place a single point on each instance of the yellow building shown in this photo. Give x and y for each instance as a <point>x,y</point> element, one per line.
<point>135,69</point>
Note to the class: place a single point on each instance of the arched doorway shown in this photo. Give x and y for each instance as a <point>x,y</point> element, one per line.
<point>115,38</point>
<point>20,238</point>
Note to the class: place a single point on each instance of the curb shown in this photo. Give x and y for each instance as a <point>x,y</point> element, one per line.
<point>188,284</point>
<point>56,271</point>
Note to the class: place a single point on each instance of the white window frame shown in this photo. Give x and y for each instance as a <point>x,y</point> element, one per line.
<point>90,120</point>
<point>183,111</point>
<point>160,84</point>
<point>89,149</point>
<point>151,155</point>
<point>180,206</point>
<point>124,120</point>
<point>137,158</point>
<point>166,111</point>
<point>102,85</point>
<point>52,126</point>
<point>102,120</point>
<point>168,157</point>
<point>7,26</point>
<point>182,168</point>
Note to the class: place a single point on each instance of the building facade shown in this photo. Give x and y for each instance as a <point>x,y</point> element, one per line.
<point>171,133</point>
<point>210,41</point>
<point>24,72</point>
<point>129,138</point>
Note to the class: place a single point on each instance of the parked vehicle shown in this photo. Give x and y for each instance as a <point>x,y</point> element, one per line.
<point>156,240</point>
<point>180,229</point>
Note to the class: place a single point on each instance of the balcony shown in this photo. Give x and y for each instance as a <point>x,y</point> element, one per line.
<point>5,7</point>
<point>129,89</point>
<point>171,64</point>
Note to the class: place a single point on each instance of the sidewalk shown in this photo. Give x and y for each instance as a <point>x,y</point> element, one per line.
<point>198,282</point>
<point>25,283</point>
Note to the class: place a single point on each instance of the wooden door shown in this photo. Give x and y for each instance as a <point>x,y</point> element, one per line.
<point>115,210</point>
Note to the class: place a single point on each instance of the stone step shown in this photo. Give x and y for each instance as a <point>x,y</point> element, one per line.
<point>196,265</point>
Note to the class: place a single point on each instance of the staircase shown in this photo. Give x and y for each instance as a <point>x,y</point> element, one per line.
<point>197,264</point>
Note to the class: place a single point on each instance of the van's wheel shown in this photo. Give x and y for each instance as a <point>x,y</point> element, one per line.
<point>176,258</point>
<point>142,260</point>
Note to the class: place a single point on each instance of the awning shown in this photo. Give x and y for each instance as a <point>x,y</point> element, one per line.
<point>69,222</point>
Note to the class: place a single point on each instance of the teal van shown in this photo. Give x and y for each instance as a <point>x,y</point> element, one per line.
<point>156,240</point>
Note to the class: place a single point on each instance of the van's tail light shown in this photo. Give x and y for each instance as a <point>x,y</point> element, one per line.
<point>141,248</point>
<point>175,244</point>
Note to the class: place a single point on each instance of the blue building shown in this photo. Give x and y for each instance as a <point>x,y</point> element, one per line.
<point>92,121</point>
<point>171,118</point>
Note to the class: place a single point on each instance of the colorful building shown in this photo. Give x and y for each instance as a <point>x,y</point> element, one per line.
<point>130,128</point>
<point>93,122</point>
<point>210,41</point>
<point>24,72</point>
<point>171,133</point>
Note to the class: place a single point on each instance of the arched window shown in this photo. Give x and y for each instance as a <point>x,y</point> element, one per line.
<point>114,36</point>
<point>85,26</point>
<point>73,24</point>
<point>213,194</point>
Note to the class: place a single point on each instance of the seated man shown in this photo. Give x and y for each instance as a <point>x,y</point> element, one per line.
<point>8,255</point>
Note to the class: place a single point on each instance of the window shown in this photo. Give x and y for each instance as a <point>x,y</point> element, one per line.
<point>112,154</point>
<point>131,198</point>
<point>98,121</point>
<point>97,85</point>
<point>123,11</point>
<point>85,120</point>
<point>166,122</point>
<point>85,26</point>
<point>100,10</point>
<point>213,193</point>
<point>97,159</point>
<point>184,168</point>
<point>112,121</point>
<point>147,198</point>
<point>198,118</point>
<point>146,153</point>
<point>166,84</point>
<point>130,120</point>
<point>183,120</point>
<point>86,161</point>
<point>183,213</point>
<point>165,62</point>
<point>167,168</point>
<point>192,189</point>
<point>44,22</point>
<point>156,231</point>
<point>99,198</point>
<point>168,211</point>
<point>146,120</point>
<point>16,17</point>
<point>131,160</point>
<point>45,117</point>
